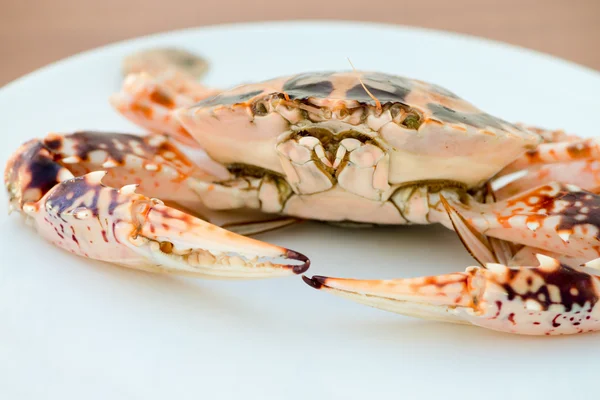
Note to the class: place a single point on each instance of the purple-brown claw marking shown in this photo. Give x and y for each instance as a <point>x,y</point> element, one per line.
<point>316,281</point>
<point>302,268</point>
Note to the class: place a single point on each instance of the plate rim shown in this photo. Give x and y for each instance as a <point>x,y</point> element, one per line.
<point>297,23</point>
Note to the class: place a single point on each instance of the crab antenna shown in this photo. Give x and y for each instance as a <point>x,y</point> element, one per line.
<point>377,102</point>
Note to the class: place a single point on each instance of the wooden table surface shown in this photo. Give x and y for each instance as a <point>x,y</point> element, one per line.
<point>36,32</point>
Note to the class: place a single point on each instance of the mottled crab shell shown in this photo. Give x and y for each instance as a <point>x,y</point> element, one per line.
<point>429,132</point>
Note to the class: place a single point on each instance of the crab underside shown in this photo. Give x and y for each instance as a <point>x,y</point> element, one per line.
<point>343,147</point>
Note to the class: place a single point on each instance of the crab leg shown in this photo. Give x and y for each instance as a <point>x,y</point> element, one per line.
<point>492,250</point>
<point>158,168</point>
<point>87,217</point>
<point>150,101</point>
<point>551,153</point>
<point>151,162</point>
<point>583,173</point>
<point>155,60</point>
<point>562,219</point>
<point>549,299</point>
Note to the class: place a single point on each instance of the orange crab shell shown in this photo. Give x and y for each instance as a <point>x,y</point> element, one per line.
<point>429,132</point>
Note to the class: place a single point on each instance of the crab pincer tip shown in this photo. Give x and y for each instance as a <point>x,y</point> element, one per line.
<point>316,281</point>
<point>301,268</point>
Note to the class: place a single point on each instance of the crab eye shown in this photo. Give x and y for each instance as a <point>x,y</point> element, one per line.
<point>412,121</point>
<point>260,109</point>
<point>395,110</point>
<point>166,247</point>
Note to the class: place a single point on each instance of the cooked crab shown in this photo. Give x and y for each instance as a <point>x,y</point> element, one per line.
<point>343,147</point>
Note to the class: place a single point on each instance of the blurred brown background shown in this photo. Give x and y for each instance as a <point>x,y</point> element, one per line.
<point>36,32</point>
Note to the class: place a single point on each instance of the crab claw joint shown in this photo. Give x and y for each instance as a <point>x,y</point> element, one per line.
<point>123,227</point>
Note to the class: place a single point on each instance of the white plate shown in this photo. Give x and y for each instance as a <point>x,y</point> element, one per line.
<point>71,328</point>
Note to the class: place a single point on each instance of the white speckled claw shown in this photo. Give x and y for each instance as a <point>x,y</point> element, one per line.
<point>550,299</point>
<point>85,216</point>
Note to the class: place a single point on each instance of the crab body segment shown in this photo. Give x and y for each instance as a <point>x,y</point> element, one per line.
<point>341,157</point>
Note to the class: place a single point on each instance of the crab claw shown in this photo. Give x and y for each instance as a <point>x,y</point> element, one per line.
<point>84,216</point>
<point>550,299</point>
<point>122,227</point>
